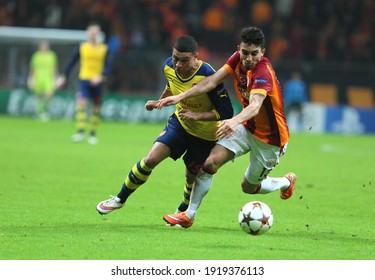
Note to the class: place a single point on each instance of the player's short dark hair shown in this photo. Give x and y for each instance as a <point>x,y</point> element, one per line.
<point>253,35</point>
<point>186,43</point>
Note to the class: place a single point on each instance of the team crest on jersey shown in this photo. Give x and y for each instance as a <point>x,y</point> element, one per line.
<point>243,79</point>
<point>260,81</point>
<point>271,163</point>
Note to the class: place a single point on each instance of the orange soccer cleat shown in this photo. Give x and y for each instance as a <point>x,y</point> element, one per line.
<point>178,219</point>
<point>287,193</point>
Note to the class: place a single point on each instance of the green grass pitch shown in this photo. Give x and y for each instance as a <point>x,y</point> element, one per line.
<point>49,188</point>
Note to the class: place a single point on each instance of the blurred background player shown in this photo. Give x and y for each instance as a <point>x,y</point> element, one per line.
<point>295,94</point>
<point>191,129</point>
<point>42,77</point>
<point>94,62</point>
<point>260,128</point>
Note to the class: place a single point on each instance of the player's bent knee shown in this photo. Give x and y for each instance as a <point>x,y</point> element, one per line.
<point>212,164</point>
<point>151,161</point>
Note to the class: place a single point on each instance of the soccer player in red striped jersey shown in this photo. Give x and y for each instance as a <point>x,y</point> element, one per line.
<point>260,127</point>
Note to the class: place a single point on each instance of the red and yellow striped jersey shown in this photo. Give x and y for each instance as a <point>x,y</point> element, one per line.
<point>269,125</point>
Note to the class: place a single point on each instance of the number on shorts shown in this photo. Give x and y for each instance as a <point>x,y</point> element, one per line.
<point>264,173</point>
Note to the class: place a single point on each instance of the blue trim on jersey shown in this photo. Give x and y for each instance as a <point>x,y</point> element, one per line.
<point>168,62</point>
<point>204,70</point>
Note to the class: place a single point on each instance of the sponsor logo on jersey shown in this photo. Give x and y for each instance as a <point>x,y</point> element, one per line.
<point>260,81</point>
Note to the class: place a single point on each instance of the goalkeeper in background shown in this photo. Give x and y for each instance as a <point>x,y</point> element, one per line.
<point>94,63</point>
<point>43,71</point>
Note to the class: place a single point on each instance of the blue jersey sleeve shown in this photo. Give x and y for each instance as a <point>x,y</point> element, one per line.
<point>221,101</point>
<point>72,61</point>
<point>107,64</point>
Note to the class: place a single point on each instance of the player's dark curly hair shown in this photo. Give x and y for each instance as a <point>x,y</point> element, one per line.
<point>186,43</point>
<point>252,35</point>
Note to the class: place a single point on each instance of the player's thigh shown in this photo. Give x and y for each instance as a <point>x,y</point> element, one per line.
<point>83,92</point>
<point>175,137</point>
<point>238,142</point>
<point>96,93</point>
<point>38,88</point>
<point>157,154</point>
<point>218,157</point>
<point>229,148</point>
<point>197,153</point>
<point>49,86</point>
<point>263,159</point>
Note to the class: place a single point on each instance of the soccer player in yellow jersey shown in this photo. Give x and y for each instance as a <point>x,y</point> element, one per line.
<point>94,62</point>
<point>191,129</point>
<point>42,76</point>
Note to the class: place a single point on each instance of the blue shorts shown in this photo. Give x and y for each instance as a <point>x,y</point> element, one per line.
<point>194,149</point>
<point>88,91</point>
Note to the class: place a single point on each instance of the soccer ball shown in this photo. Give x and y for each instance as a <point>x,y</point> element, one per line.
<point>255,217</point>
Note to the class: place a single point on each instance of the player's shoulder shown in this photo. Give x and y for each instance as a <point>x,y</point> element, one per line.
<point>233,60</point>
<point>81,46</point>
<point>35,54</point>
<point>235,56</point>
<point>205,69</point>
<point>264,62</point>
<point>167,66</point>
<point>168,62</point>
<point>103,45</point>
<point>263,65</point>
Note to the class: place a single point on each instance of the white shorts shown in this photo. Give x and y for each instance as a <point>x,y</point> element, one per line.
<point>263,157</point>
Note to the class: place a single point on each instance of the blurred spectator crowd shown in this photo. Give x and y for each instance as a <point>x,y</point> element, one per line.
<point>296,30</point>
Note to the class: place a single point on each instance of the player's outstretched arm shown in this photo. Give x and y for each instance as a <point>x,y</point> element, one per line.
<point>152,104</point>
<point>228,127</point>
<point>202,87</point>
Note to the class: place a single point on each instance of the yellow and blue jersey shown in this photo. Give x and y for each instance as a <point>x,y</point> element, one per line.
<point>93,59</point>
<point>217,100</point>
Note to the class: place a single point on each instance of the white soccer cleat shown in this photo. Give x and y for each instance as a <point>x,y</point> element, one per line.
<point>78,137</point>
<point>92,140</point>
<point>109,205</point>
